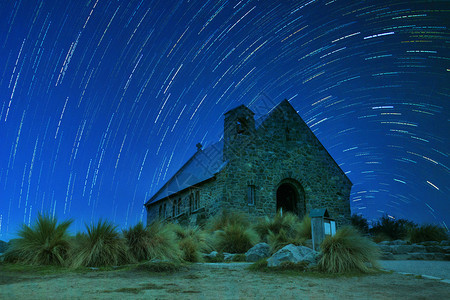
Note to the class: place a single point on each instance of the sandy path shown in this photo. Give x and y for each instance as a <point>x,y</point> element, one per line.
<point>218,281</point>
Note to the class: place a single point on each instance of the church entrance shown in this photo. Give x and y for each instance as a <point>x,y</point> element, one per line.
<point>287,198</point>
<point>291,197</point>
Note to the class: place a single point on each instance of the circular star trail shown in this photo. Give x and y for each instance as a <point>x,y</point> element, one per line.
<point>102,101</point>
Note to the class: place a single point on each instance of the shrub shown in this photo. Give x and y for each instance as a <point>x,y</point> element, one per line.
<point>225,218</point>
<point>347,251</point>
<point>101,246</point>
<point>192,242</point>
<point>393,229</point>
<point>278,240</point>
<point>426,233</point>
<point>45,243</point>
<point>235,238</point>
<point>360,223</point>
<point>287,222</point>
<point>304,229</point>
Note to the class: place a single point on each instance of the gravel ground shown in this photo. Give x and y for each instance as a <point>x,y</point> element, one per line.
<point>439,269</point>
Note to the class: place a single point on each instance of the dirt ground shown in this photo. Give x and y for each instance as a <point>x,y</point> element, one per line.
<point>215,281</point>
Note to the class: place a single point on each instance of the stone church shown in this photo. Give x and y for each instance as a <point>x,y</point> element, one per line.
<point>259,167</point>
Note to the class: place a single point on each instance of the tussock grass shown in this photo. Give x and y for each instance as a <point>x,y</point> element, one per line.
<point>226,218</point>
<point>44,243</point>
<point>427,233</point>
<point>283,230</point>
<point>192,242</point>
<point>156,241</point>
<point>101,246</point>
<point>348,251</point>
<point>235,238</point>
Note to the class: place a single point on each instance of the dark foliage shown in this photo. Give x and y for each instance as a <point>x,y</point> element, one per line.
<point>392,229</point>
<point>426,233</point>
<point>360,223</point>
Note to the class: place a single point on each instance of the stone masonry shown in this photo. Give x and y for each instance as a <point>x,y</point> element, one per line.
<point>275,163</point>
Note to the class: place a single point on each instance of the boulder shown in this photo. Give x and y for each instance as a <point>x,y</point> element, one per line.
<point>445,243</point>
<point>429,243</point>
<point>257,252</point>
<point>384,248</point>
<point>404,249</point>
<point>398,242</point>
<point>294,254</point>
<point>211,255</point>
<point>228,256</point>
<point>387,256</point>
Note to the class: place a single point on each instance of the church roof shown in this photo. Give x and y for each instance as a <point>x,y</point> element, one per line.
<point>203,165</point>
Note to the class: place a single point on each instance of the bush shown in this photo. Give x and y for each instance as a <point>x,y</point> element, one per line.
<point>392,229</point>
<point>347,251</point>
<point>192,242</point>
<point>426,233</point>
<point>45,243</point>
<point>235,238</point>
<point>287,222</point>
<point>360,223</point>
<point>101,246</point>
<point>278,240</point>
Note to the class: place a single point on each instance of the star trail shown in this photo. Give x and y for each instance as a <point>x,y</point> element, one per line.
<point>102,101</point>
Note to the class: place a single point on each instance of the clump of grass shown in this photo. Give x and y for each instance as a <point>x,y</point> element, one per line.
<point>235,238</point>
<point>44,243</point>
<point>260,265</point>
<point>192,242</point>
<point>138,240</point>
<point>101,246</point>
<point>156,241</point>
<point>347,251</point>
<point>426,233</point>
<point>284,229</point>
<point>226,218</point>
<point>239,258</point>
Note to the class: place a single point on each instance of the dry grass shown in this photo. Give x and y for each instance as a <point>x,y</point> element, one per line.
<point>101,246</point>
<point>348,251</point>
<point>45,243</point>
<point>235,238</point>
<point>225,218</point>
<point>192,242</point>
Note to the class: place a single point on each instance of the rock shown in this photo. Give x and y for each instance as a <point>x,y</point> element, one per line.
<point>387,256</point>
<point>446,249</point>
<point>403,249</point>
<point>399,242</point>
<point>385,248</point>
<point>429,243</point>
<point>434,248</point>
<point>384,243</point>
<point>294,254</point>
<point>211,255</point>
<point>257,252</point>
<point>426,256</point>
<point>228,256</point>
<point>445,243</point>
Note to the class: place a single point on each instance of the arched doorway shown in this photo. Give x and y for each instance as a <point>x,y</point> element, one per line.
<point>287,198</point>
<point>291,197</point>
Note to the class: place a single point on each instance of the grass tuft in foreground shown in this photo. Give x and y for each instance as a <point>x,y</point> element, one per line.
<point>192,242</point>
<point>44,243</point>
<point>347,251</point>
<point>101,246</point>
<point>235,238</point>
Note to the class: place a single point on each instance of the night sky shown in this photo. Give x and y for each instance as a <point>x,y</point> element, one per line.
<point>102,101</point>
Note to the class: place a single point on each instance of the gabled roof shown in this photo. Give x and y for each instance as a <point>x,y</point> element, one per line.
<point>319,213</point>
<point>203,165</point>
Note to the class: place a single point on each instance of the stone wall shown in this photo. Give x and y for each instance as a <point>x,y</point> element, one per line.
<point>281,149</point>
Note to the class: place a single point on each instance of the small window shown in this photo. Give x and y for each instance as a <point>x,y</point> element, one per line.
<point>251,194</point>
<point>174,208</point>
<point>179,206</point>
<point>197,200</point>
